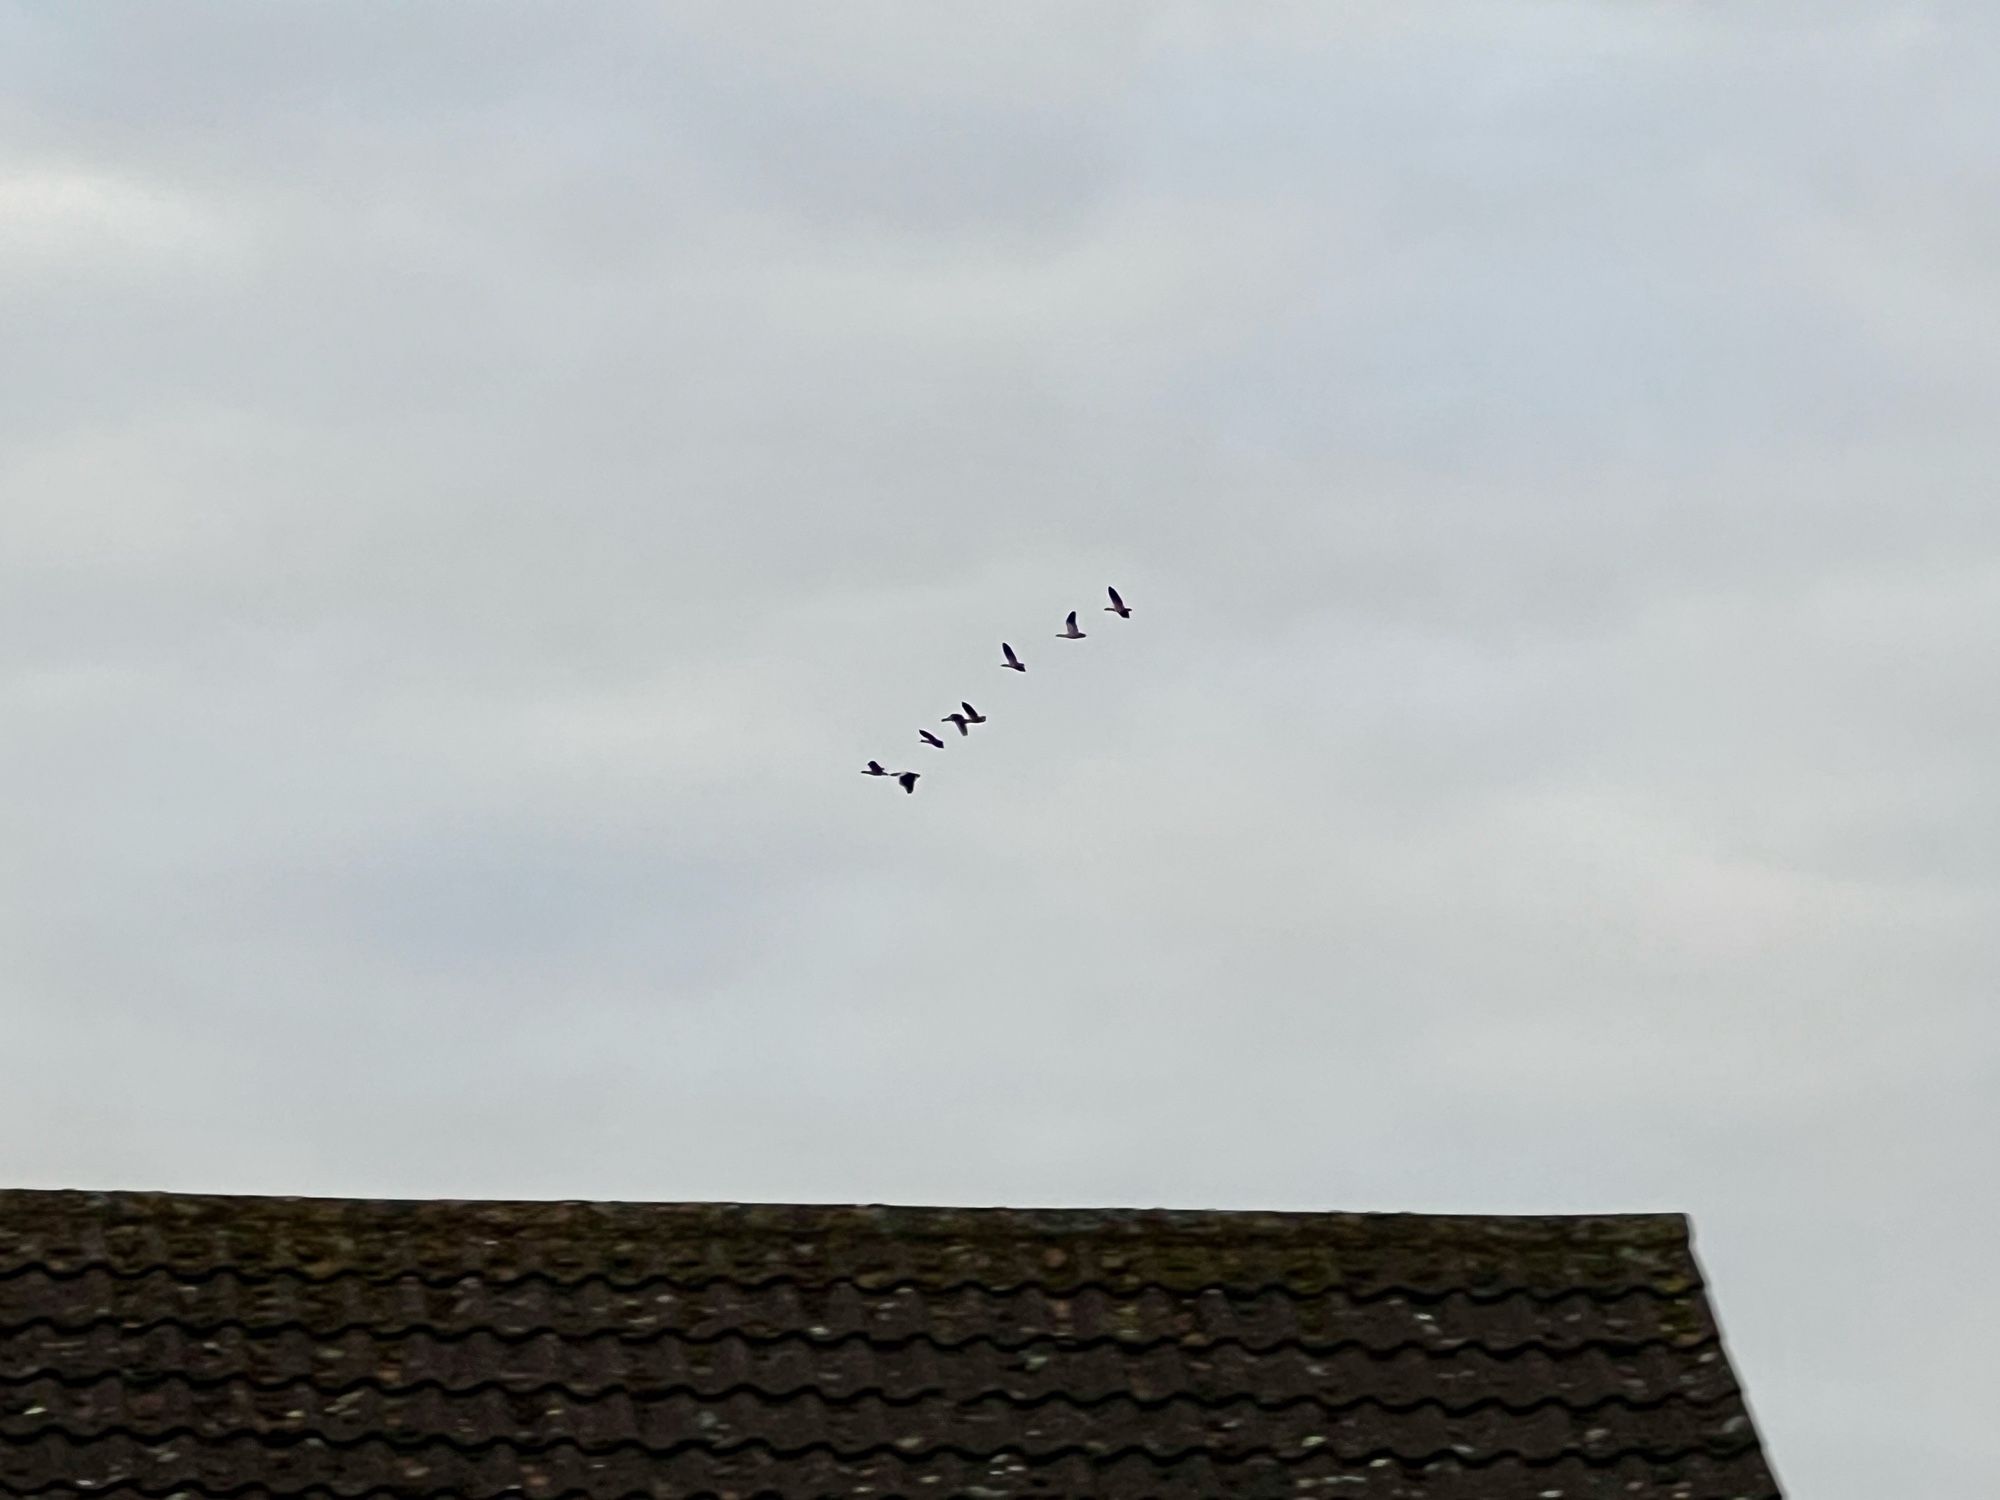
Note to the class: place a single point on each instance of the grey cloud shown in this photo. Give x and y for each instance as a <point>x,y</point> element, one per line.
<point>473,493</point>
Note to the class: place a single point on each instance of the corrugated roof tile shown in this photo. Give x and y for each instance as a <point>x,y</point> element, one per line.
<point>157,1344</point>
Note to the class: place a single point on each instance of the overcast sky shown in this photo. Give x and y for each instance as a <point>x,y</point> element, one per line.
<point>476,484</point>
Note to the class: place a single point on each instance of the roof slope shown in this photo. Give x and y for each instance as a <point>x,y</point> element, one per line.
<point>158,1344</point>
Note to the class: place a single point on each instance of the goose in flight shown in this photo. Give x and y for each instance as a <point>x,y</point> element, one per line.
<point>875,768</point>
<point>960,720</point>
<point>1117,606</point>
<point>1069,632</point>
<point>1013,662</point>
<point>930,739</point>
<point>907,781</point>
<point>972,715</point>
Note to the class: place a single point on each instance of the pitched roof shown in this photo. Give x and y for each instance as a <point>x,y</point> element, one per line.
<point>159,1344</point>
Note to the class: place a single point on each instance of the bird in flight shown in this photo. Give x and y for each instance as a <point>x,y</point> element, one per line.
<point>960,720</point>
<point>1012,662</point>
<point>1117,606</point>
<point>876,768</point>
<point>930,739</point>
<point>972,715</point>
<point>1069,632</point>
<point>907,781</point>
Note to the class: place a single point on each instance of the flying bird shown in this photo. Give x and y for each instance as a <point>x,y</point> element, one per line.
<point>930,739</point>
<point>972,715</point>
<point>907,781</point>
<point>876,768</point>
<point>960,720</point>
<point>1117,606</point>
<point>1013,662</point>
<point>1069,632</point>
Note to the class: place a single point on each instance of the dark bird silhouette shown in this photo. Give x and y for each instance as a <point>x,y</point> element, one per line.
<point>972,715</point>
<point>1069,632</point>
<point>959,719</point>
<point>930,739</point>
<point>907,781</point>
<point>1117,606</point>
<point>876,768</point>
<point>1013,662</point>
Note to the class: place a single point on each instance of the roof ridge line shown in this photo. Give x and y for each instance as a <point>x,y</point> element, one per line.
<point>772,1215</point>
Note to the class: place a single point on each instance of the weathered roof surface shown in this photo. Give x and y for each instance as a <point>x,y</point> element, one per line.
<point>167,1345</point>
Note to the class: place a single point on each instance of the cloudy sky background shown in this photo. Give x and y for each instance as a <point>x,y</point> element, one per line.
<point>475,486</point>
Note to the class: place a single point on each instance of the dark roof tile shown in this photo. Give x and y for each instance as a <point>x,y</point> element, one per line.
<point>153,1344</point>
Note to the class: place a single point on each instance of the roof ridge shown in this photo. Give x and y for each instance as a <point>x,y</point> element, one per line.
<point>899,1219</point>
<point>929,1248</point>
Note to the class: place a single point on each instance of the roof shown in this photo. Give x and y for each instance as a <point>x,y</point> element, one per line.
<point>201,1346</point>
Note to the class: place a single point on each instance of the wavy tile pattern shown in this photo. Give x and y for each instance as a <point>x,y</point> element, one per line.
<point>166,1345</point>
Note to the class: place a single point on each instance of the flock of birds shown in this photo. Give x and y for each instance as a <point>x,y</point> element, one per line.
<point>967,716</point>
